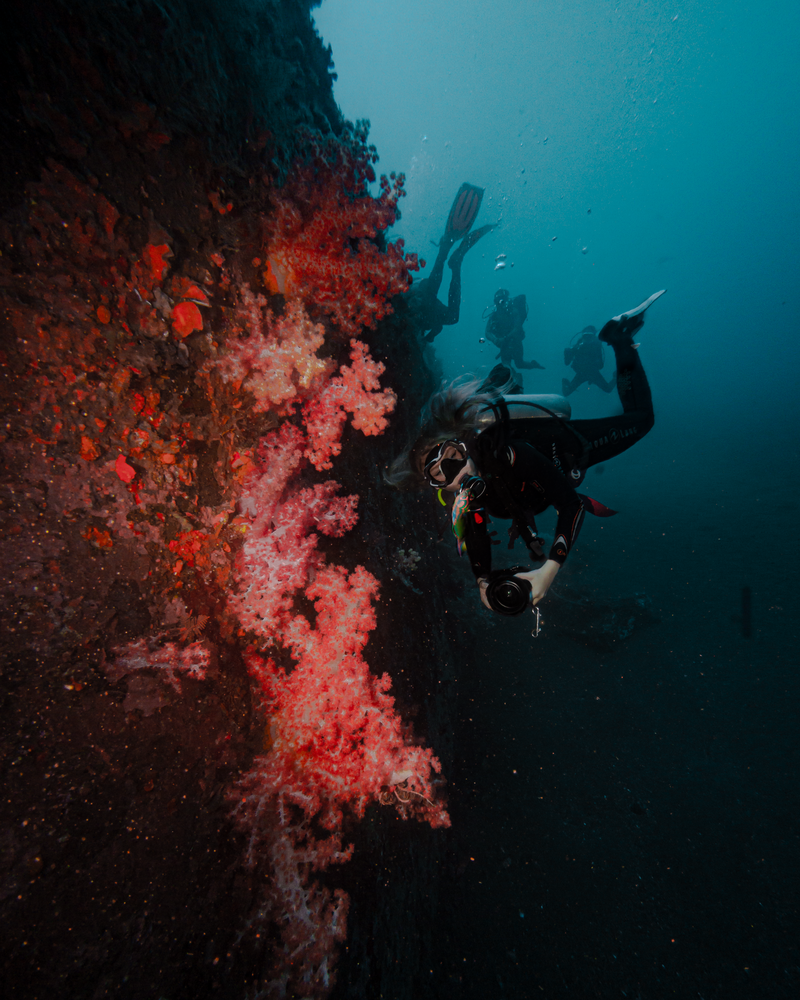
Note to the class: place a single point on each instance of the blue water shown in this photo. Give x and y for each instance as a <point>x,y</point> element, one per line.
<point>664,138</point>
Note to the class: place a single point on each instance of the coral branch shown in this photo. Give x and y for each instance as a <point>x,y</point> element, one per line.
<point>324,238</point>
<point>168,660</point>
<point>336,742</point>
<point>278,360</point>
<point>352,391</point>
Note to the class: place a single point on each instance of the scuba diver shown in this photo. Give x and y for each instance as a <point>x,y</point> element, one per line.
<point>492,455</point>
<point>586,358</point>
<point>427,312</point>
<point>504,328</point>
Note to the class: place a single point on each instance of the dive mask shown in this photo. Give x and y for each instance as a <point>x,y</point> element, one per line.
<point>445,460</point>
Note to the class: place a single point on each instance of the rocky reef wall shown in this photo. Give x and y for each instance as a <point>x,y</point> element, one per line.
<point>216,631</point>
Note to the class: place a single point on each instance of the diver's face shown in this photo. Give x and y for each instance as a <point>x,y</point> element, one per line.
<point>470,469</point>
<point>447,465</point>
<point>436,471</point>
<point>451,468</point>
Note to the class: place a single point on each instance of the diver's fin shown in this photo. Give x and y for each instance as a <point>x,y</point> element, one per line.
<point>472,238</point>
<point>469,241</point>
<point>640,308</point>
<point>463,212</point>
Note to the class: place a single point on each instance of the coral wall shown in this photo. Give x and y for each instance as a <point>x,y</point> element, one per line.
<point>185,358</point>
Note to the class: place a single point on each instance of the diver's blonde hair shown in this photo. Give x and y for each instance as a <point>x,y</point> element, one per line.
<point>452,412</point>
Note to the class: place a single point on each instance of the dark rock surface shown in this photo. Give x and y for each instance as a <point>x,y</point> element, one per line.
<point>120,874</point>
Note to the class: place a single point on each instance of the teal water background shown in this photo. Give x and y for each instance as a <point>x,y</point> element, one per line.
<point>678,126</point>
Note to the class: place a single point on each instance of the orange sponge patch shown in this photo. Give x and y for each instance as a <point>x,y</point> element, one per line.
<point>186,319</point>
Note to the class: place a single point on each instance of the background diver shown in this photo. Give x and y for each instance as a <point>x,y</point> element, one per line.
<point>504,328</point>
<point>484,465</point>
<point>586,358</point>
<point>427,312</point>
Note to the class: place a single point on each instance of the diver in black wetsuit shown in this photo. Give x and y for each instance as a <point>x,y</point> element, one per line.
<point>504,328</point>
<point>427,312</point>
<point>517,469</point>
<point>586,358</point>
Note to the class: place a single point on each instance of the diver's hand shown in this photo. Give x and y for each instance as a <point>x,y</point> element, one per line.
<point>540,579</point>
<point>483,583</point>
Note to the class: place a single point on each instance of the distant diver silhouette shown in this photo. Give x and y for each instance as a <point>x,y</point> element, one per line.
<point>504,328</point>
<point>586,358</point>
<point>428,313</point>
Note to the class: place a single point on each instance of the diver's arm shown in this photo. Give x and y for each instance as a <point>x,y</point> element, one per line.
<point>533,468</point>
<point>479,544</point>
<point>539,579</point>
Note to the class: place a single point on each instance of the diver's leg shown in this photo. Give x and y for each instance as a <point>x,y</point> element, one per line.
<point>436,275</point>
<point>515,354</point>
<point>453,310</point>
<point>469,241</point>
<point>455,262</point>
<point>608,436</point>
<point>567,387</point>
<point>595,378</point>
<point>632,384</point>
<point>436,321</point>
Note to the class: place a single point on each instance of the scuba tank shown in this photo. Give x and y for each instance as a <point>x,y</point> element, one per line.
<point>525,407</point>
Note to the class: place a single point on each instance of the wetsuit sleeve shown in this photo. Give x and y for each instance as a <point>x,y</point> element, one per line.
<point>476,538</point>
<point>479,544</point>
<point>533,470</point>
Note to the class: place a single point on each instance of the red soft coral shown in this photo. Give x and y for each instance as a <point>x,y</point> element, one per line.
<point>336,739</point>
<point>324,240</point>
<point>335,742</point>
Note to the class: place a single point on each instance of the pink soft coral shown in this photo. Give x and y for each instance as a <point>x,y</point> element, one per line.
<point>167,659</point>
<point>279,550</point>
<point>335,742</point>
<point>278,360</point>
<point>353,391</point>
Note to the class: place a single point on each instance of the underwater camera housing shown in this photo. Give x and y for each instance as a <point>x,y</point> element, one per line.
<point>506,593</point>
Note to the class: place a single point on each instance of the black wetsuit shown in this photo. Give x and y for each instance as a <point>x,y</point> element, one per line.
<point>576,445</point>
<point>546,458</point>
<point>430,314</point>
<point>534,484</point>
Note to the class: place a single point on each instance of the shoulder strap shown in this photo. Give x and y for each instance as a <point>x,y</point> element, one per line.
<point>493,462</point>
